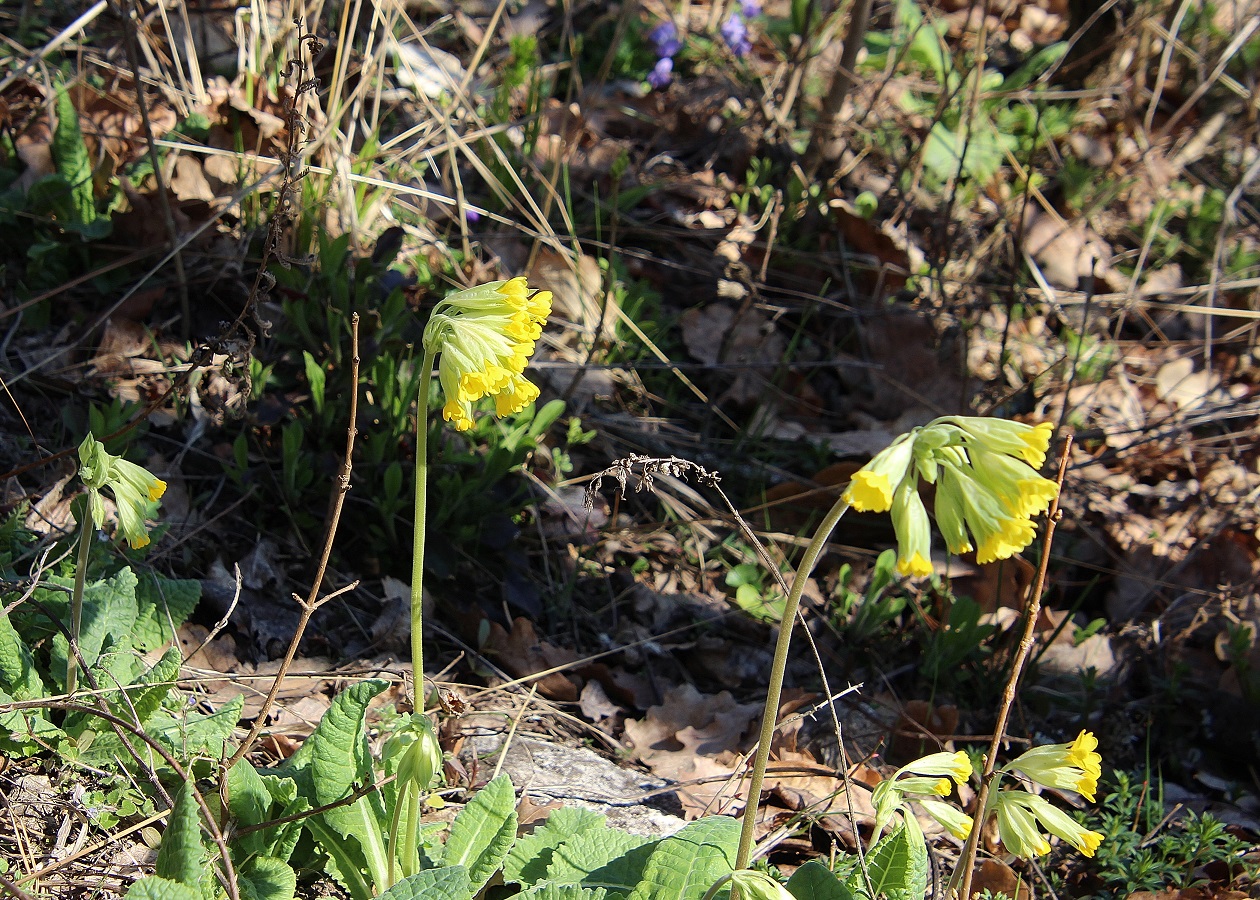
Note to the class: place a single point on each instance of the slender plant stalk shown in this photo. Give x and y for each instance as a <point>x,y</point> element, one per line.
<point>86,533</point>
<point>988,778</point>
<point>770,715</point>
<point>312,600</point>
<point>824,146</point>
<point>393,834</point>
<point>417,540</point>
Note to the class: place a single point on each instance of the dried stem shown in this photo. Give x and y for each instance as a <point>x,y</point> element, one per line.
<point>123,10</point>
<point>967,863</point>
<point>313,601</point>
<point>823,144</point>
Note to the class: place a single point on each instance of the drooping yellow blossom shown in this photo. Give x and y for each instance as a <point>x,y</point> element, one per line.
<point>928,776</point>
<point>1019,812</point>
<point>987,488</point>
<point>1074,766</point>
<point>485,336</point>
<point>956,765</point>
<point>954,820</point>
<point>914,535</point>
<point>134,488</point>
<point>1018,827</point>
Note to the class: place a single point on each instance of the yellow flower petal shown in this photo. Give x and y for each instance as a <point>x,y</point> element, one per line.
<point>916,566</point>
<point>869,492</point>
<point>517,394</point>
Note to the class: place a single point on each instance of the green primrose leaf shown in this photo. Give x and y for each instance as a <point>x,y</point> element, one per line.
<point>181,856</point>
<point>601,857</point>
<point>162,889</point>
<point>445,883</point>
<point>484,831</point>
<point>814,881</point>
<point>685,866</point>
<point>266,878</point>
<point>527,862</point>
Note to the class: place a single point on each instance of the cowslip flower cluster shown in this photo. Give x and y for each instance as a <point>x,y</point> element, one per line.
<point>134,488</point>
<point>486,336</point>
<point>665,41</point>
<point>987,487</point>
<point>1021,816</point>
<point>925,778</point>
<point>1074,766</point>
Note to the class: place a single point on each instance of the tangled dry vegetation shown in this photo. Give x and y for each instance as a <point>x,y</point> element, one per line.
<point>770,264</point>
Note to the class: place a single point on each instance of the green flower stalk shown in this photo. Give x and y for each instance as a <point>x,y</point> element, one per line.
<point>988,488</point>
<point>485,336</point>
<point>135,491</point>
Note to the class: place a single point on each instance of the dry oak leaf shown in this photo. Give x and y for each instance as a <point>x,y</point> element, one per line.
<point>523,654</point>
<point>695,738</point>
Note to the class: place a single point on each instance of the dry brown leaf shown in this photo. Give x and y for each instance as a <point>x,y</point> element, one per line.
<point>694,738</point>
<point>892,256</point>
<point>997,877</point>
<point>595,704</point>
<point>1066,252</point>
<point>1179,384</point>
<point>577,292</point>
<point>993,585</point>
<point>523,654</point>
<point>715,334</point>
<point>188,181</point>
<point>922,729</point>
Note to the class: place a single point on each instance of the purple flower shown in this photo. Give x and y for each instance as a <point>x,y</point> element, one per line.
<point>661,73</point>
<point>751,8</point>
<point>472,215</point>
<point>735,33</point>
<point>664,38</point>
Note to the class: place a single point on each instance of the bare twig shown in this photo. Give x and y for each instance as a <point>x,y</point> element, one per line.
<point>313,601</point>
<point>968,860</point>
<point>223,622</point>
<point>823,144</point>
<point>123,11</point>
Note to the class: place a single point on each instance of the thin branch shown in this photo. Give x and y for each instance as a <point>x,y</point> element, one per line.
<point>312,601</point>
<point>967,863</point>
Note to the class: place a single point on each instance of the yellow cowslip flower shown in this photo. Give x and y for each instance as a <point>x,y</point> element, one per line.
<point>485,336</point>
<point>1018,827</point>
<point>914,534</point>
<point>920,785</point>
<point>952,819</point>
<point>1029,442</point>
<point>926,777</point>
<point>1021,807</point>
<point>956,765</point>
<point>1020,487</point>
<point>871,489</point>
<point>1063,826</point>
<point>986,488</point>
<point>134,488</point>
<point>1074,766</point>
